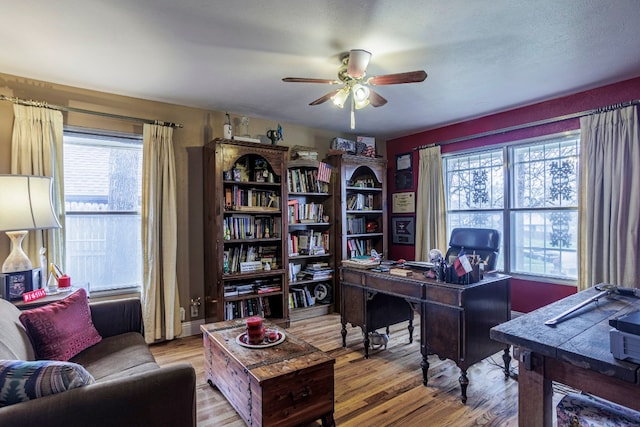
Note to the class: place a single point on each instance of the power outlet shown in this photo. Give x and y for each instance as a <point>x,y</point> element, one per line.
<point>182,314</point>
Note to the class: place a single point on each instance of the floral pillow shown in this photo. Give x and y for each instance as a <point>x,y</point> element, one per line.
<point>26,380</point>
<point>61,330</point>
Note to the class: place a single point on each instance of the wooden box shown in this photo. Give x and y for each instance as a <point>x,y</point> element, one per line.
<point>285,385</point>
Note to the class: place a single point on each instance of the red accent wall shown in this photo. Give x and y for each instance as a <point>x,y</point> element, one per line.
<point>526,295</point>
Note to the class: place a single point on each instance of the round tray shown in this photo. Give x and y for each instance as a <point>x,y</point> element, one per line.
<point>242,340</point>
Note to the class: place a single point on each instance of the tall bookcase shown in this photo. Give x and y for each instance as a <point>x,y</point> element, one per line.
<point>361,214</point>
<point>310,237</point>
<point>245,207</point>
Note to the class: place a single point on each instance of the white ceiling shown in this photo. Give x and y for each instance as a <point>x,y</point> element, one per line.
<point>482,56</point>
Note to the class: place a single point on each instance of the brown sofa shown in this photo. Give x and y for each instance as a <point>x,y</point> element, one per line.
<point>130,388</point>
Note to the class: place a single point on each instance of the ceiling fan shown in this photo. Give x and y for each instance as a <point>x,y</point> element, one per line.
<point>352,75</point>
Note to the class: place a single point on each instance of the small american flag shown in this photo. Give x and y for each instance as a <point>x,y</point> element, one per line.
<point>324,172</point>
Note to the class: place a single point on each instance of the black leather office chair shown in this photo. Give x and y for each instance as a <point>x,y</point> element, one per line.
<point>483,241</point>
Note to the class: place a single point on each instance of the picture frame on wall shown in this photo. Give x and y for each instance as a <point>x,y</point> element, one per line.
<point>403,202</point>
<point>403,180</point>
<point>403,230</point>
<point>404,162</point>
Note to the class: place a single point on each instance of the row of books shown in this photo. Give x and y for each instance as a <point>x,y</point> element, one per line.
<point>305,181</point>
<point>359,247</point>
<point>248,307</point>
<point>260,286</point>
<point>235,196</point>
<point>360,202</point>
<point>356,224</point>
<point>301,297</point>
<point>305,212</point>
<point>243,226</point>
<point>249,253</point>
<point>315,272</point>
<point>308,242</point>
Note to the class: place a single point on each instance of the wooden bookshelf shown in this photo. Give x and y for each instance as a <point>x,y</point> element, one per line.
<point>245,206</point>
<point>310,251</point>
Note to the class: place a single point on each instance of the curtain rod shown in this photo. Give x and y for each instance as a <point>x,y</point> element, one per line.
<point>80,110</point>
<point>532,124</point>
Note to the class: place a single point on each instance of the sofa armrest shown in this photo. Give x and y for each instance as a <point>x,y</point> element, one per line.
<point>162,397</point>
<point>117,317</point>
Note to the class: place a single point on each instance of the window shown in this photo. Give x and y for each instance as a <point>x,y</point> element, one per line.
<point>527,191</point>
<point>103,193</point>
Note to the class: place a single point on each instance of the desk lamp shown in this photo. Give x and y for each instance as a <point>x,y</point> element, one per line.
<point>25,204</point>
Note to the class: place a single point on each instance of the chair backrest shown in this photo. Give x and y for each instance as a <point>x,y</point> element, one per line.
<point>483,241</point>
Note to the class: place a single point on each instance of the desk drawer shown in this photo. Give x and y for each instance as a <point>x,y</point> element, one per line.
<point>443,295</point>
<point>396,286</point>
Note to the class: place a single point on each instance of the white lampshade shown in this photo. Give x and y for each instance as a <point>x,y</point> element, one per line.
<point>25,204</point>
<point>360,96</point>
<point>340,98</point>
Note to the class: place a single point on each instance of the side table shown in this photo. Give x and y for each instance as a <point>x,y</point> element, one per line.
<point>44,301</point>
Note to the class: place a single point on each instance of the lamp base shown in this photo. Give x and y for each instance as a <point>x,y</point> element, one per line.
<point>17,259</point>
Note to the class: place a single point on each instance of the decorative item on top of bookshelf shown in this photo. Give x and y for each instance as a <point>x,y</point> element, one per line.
<point>403,230</point>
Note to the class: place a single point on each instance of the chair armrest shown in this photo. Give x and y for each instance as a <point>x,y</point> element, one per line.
<point>117,317</point>
<point>162,397</point>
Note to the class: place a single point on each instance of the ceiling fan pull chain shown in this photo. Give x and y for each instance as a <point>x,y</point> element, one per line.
<point>353,114</point>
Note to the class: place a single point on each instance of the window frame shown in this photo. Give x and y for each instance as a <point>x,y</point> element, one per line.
<point>507,149</point>
<point>118,135</point>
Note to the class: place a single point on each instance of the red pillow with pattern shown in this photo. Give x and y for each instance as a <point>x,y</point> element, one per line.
<point>62,329</point>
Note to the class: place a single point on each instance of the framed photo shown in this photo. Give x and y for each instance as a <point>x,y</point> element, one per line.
<point>404,180</point>
<point>404,202</point>
<point>403,230</point>
<point>15,284</point>
<point>404,162</point>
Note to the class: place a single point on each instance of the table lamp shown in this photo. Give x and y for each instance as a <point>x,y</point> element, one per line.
<point>25,204</point>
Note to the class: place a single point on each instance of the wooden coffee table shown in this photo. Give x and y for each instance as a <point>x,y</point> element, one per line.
<point>285,385</point>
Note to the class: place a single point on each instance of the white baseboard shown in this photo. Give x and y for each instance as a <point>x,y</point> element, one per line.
<point>191,328</point>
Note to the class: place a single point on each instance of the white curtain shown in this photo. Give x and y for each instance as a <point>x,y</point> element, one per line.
<point>609,206</point>
<point>431,227</point>
<point>36,149</point>
<point>161,302</point>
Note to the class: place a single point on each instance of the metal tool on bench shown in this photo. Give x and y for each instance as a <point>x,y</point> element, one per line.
<point>605,290</point>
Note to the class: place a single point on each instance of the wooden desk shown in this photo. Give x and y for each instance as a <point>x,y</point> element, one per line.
<point>575,352</point>
<point>454,319</point>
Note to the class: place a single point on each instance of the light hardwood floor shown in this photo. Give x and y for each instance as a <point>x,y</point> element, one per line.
<point>384,390</point>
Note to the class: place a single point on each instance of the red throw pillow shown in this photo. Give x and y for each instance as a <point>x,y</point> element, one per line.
<point>62,329</point>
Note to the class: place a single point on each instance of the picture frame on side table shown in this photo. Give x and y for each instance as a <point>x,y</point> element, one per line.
<point>403,230</point>
<point>13,285</point>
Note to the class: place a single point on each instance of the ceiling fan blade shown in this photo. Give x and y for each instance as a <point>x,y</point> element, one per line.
<point>325,98</point>
<point>358,62</point>
<point>376,99</point>
<point>394,79</point>
<point>306,80</point>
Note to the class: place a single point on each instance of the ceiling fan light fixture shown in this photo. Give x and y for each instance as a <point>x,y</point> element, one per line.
<point>340,98</point>
<point>360,96</point>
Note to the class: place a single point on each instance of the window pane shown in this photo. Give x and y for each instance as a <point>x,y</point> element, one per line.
<point>545,243</point>
<point>546,175</point>
<point>104,251</point>
<point>103,193</point>
<point>475,181</point>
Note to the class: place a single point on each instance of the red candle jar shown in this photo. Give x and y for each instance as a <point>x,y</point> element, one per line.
<point>64,281</point>
<point>255,330</point>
